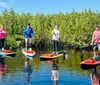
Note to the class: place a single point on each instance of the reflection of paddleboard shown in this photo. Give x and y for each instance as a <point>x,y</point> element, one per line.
<point>29,54</point>
<point>89,63</point>
<point>7,53</point>
<point>51,56</point>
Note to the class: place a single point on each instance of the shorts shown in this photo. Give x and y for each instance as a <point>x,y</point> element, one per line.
<point>96,47</point>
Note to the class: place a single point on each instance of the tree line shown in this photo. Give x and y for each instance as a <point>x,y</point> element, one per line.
<point>76,28</point>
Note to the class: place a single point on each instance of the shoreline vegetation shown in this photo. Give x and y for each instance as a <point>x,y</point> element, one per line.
<point>76,28</point>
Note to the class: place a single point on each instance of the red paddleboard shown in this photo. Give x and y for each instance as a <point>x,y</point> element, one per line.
<point>29,54</point>
<point>89,63</point>
<point>7,53</point>
<point>50,56</point>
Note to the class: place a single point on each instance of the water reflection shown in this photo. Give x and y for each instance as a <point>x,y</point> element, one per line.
<point>43,71</point>
<point>28,69</point>
<point>2,66</point>
<point>2,69</point>
<point>95,76</point>
<point>55,73</point>
<point>65,55</point>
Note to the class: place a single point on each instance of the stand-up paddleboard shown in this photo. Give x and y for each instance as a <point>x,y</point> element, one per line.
<point>29,54</point>
<point>7,53</point>
<point>89,64</point>
<point>51,55</point>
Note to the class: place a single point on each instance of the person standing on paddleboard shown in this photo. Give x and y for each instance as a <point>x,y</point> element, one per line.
<point>96,40</point>
<point>28,36</point>
<point>55,38</point>
<point>2,36</point>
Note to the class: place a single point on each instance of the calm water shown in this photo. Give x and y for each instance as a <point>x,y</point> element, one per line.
<point>69,70</point>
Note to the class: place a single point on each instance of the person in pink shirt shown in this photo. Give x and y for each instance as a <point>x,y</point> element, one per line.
<point>96,40</point>
<point>2,36</point>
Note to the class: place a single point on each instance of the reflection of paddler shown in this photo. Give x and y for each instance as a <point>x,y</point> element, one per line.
<point>2,70</point>
<point>95,77</point>
<point>28,69</point>
<point>2,66</point>
<point>55,73</point>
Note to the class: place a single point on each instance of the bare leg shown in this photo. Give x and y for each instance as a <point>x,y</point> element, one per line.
<point>26,41</point>
<point>95,53</point>
<point>30,43</point>
<point>26,46</point>
<point>55,82</point>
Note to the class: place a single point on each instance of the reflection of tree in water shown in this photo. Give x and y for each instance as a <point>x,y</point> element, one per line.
<point>55,73</point>
<point>95,76</point>
<point>2,66</point>
<point>28,69</point>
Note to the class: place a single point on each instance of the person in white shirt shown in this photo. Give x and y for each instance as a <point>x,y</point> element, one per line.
<point>55,38</point>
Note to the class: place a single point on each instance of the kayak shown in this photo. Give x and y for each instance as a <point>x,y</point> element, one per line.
<point>89,63</point>
<point>8,53</point>
<point>51,55</point>
<point>29,54</point>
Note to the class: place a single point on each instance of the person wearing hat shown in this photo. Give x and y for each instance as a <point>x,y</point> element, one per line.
<point>96,40</point>
<point>28,36</point>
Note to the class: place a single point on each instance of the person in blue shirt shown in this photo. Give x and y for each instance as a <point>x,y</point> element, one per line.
<point>28,36</point>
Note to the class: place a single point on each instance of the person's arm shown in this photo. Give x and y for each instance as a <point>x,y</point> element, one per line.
<point>92,41</point>
<point>25,32</point>
<point>32,32</point>
<point>53,33</point>
<point>58,34</point>
<point>5,32</point>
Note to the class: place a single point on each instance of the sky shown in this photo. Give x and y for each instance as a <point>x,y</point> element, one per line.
<point>49,6</point>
